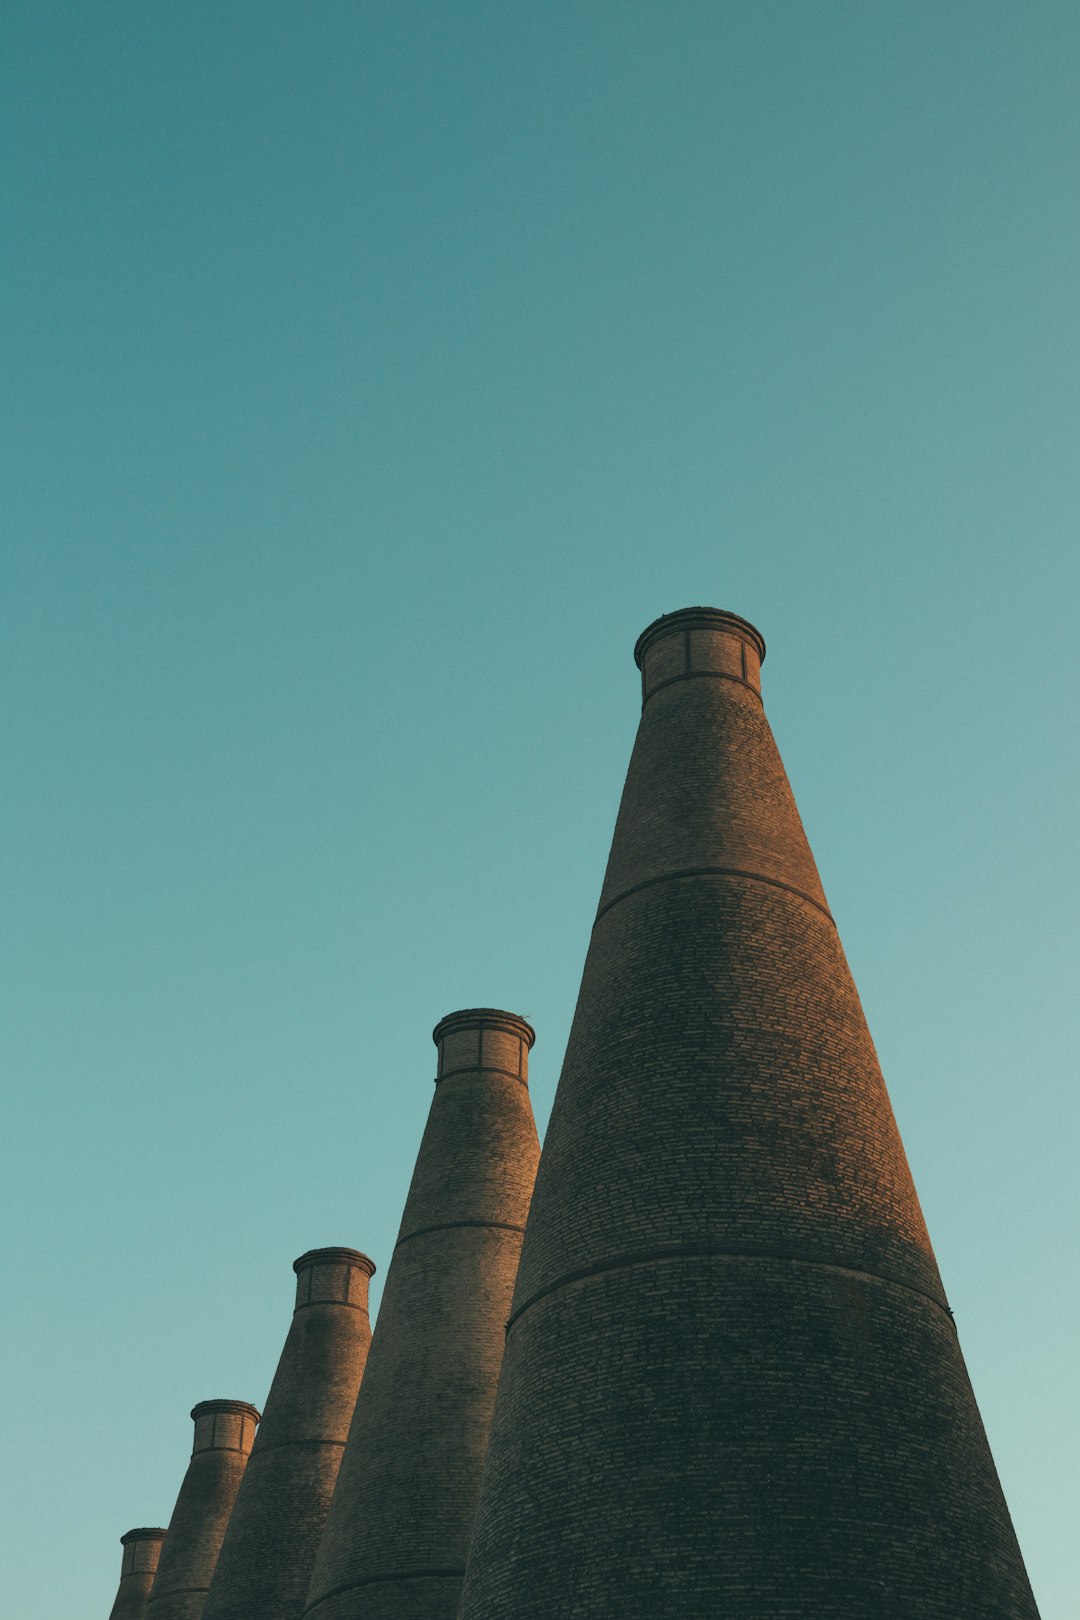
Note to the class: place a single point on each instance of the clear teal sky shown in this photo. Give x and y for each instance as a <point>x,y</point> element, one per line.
<point>373,374</point>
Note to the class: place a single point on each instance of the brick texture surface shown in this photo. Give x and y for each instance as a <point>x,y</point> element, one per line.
<point>269,1549</point>
<point>138,1565</point>
<point>224,1432</point>
<point>399,1524</point>
<point>732,1385</point>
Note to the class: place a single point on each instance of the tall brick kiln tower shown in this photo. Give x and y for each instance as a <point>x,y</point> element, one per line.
<point>732,1384</point>
<point>266,1559</point>
<point>224,1431</point>
<point>398,1531</point>
<point>142,1549</point>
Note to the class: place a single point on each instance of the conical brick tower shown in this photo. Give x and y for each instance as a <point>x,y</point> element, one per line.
<point>224,1432</point>
<point>398,1529</point>
<point>142,1549</point>
<point>732,1386</point>
<point>265,1563</point>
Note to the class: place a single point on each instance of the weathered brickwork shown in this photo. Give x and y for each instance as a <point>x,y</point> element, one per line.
<point>269,1549</point>
<point>224,1433</point>
<point>776,1438</point>
<point>732,1384</point>
<point>138,1565</point>
<point>399,1524</point>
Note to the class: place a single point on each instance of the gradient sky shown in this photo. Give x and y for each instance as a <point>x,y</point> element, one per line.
<point>373,374</point>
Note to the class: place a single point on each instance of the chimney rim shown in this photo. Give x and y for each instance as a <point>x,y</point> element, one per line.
<point>484,1018</point>
<point>204,1408</point>
<point>143,1533</point>
<point>697,618</point>
<point>352,1257</point>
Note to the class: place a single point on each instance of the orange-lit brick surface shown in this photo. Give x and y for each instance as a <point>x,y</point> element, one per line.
<point>224,1433</point>
<point>732,1386</point>
<point>399,1525</point>
<point>269,1549</point>
<point>142,1549</point>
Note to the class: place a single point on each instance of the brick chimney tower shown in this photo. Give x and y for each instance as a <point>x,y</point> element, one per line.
<point>265,1562</point>
<point>732,1385</point>
<point>224,1431</point>
<point>399,1523</point>
<point>142,1549</point>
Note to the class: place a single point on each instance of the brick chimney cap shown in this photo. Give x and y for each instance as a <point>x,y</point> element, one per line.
<point>697,618</point>
<point>205,1407</point>
<point>349,1257</point>
<point>483,1018</point>
<point>143,1534</point>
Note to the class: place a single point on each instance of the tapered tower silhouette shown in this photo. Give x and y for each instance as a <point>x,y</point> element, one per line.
<point>142,1549</point>
<point>732,1385</point>
<point>224,1431</point>
<point>266,1558</point>
<point>399,1523</point>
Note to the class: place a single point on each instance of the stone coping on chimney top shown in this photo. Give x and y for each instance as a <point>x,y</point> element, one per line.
<point>698,618</point>
<point>245,1408</point>
<point>330,1257</point>
<point>484,1018</point>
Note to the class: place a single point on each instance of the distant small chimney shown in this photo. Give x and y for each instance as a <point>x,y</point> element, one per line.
<point>224,1432</point>
<point>400,1521</point>
<point>138,1564</point>
<point>266,1558</point>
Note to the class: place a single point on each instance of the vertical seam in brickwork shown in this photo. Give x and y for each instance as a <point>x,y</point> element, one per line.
<point>480,1046</point>
<point>742,655</point>
<point>686,650</point>
<point>348,1283</point>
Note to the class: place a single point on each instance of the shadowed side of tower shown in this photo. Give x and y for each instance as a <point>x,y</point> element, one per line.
<point>138,1565</point>
<point>266,1559</point>
<point>398,1529</point>
<point>732,1384</point>
<point>224,1431</point>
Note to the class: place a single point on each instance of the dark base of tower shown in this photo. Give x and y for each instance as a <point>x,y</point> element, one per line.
<point>267,1558</point>
<point>749,1439</point>
<point>131,1599</point>
<point>187,1605</point>
<point>397,1595</point>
